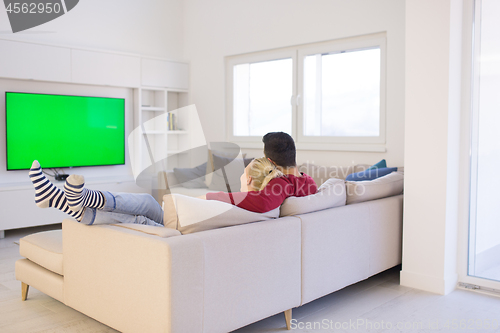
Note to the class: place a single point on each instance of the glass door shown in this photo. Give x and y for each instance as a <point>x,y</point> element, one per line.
<point>484,219</point>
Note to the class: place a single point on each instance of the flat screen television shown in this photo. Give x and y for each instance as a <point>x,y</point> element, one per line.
<point>63,131</point>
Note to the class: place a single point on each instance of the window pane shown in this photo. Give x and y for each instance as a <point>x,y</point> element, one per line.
<point>262,93</point>
<point>342,93</point>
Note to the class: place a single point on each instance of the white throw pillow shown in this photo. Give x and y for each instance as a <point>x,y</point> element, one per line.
<point>330,194</point>
<point>386,186</point>
<point>188,214</point>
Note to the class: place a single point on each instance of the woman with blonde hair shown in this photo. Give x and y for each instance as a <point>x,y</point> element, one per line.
<point>258,174</point>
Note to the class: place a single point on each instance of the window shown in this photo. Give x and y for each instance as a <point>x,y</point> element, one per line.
<point>330,93</point>
<point>262,93</point>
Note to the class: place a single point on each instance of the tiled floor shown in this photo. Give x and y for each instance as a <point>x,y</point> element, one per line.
<point>378,304</point>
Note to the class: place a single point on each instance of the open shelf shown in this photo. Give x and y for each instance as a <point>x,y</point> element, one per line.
<point>172,152</point>
<point>153,108</point>
<point>154,132</point>
<point>177,132</point>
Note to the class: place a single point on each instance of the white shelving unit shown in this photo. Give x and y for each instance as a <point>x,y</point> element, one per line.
<point>157,141</point>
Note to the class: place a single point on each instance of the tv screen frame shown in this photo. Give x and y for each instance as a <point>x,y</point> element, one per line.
<point>64,166</point>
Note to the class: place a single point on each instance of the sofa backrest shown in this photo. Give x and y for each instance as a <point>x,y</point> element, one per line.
<point>250,272</point>
<point>344,245</point>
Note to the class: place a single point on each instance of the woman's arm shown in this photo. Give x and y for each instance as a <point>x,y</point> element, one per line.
<point>271,197</point>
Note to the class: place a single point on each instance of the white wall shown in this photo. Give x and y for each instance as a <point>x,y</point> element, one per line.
<point>432,140</point>
<point>220,28</point>
<point>149,27</point>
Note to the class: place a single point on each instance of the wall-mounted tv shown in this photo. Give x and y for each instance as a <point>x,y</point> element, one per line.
<point>63,131</point>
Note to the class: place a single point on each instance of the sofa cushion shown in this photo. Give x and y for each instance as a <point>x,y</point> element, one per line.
<point>330,194</point>
<point>45,249</point>
<point>36,276</point>
<point>233,167</point>
<point>220,149</point>
<point>378,165</point>
<point>192,177</point>
<point>189,215</point>
<point>386,186</point>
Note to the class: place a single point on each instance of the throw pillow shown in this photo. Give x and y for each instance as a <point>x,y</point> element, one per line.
<point>330,194</point>
<point>233,168</point>
<point>386,186</point>
<point>189,215</point>
<point>370,174</point>
<point>379,165</point>
<point>229,151</point>
<point>191,177</point>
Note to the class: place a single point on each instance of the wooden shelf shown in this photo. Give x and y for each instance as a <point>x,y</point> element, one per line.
<point>153,108</point>
<point>172,152</point>
<point>177,132</point>
<point>154,132</point>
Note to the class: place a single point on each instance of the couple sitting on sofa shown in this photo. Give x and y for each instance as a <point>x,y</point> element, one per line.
<point>265,184</point>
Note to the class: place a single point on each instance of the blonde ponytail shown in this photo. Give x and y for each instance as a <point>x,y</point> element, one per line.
<point>262,172</point>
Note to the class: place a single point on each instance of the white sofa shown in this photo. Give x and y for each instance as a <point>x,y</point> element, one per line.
<point>149,279</point>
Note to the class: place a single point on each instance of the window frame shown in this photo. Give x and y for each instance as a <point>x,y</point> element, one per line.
<point>298,53</point>
<point>351,44</point>
<point>255,58</point>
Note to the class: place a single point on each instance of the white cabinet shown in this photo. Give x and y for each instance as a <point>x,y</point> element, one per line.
<point>161,73</point>
<point>101,68</point>
<point>21,210</point>
<point>31,61</point>
<point>34,62</point>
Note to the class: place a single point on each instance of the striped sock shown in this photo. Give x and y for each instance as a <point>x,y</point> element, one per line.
<point>48,195</point>
<point>79,196</point>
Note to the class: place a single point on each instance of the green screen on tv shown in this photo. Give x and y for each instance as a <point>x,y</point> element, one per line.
<point>64,131</point>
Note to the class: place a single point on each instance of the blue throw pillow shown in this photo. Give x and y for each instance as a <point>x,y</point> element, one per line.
<point>370,174</point>
<point>379,165</point>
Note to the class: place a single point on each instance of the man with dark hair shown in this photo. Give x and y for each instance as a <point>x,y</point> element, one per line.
<point>279,148</point>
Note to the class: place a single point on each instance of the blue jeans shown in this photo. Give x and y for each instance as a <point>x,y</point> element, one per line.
<point>138,208</point>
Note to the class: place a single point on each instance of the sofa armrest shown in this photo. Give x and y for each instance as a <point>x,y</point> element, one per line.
<point>133,281</point>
